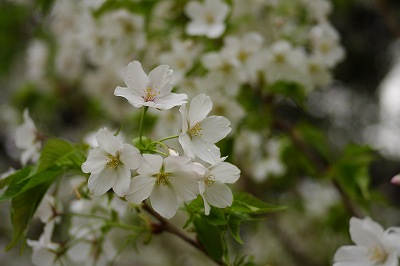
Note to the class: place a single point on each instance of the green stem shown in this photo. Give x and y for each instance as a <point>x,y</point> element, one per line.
<point>141,124</point>
<point>167,138</point>
<point>159,152</point>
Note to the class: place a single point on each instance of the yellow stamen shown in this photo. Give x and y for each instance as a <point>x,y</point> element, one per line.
<point>195,131</point>
<point>150,94</point>
<point>377,255</point>
<point>162,178</point>
<point>209,180</point>
<point>113,161</point>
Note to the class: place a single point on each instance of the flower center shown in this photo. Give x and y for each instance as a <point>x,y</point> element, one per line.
<point>243,55</point>
<point>377,255</point>
<point>280,58</point>
<point>325,47</point>
<point>150,94</point>
<point>195,130</point>
<point>162,178</point>
<point>209,180</point>
<point>209,18</point>
<point>113,161</point>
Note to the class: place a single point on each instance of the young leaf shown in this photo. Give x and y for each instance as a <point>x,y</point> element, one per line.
<point>62,153</point>
<point>22,209</point>
<point>211,237</point>
<point>234,227</point>
<point>16,181</point>
<point>246,203</point>
<point>352,171</point>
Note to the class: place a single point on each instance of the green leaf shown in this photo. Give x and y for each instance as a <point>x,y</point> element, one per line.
<point>62,153</point>
<point>193,208</point>
<point>211,237</point>
<point>246,203</point>
<point>234,227</point>
<point>22,209</point>
<point>27,187</point>
<point>352,171</point>
<point>216,216</point>
<point>16,182</point>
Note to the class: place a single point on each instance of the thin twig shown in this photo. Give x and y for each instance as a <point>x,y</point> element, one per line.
<point>165,226</point>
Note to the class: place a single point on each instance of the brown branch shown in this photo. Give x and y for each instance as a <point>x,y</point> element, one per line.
<point>165,226</point>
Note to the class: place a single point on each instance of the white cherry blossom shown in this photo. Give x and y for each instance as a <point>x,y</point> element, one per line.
<point>207,18</point>
<point>199,132</point>
<point>374,245</point>
<point>110,164</point>
<point>26,138</point>
<point>212,185</point>
<point>152,91</point>
<point>164,181</point>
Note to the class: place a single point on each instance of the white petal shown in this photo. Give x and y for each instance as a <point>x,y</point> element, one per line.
<point>164,201</point>
<point>200,106</point>
<point>151,164</point>
<point>108,141</point>
<point>225,172</point>
<point>196,28</point>
<point>135,78</point>
<point>183,112</point>
<point>207,152</point>
<point>140,189</point>
<point>218,195</point>
<point>130,156</point>
<point>214,128</point>
<point>193,9</point>
<point>366,232</point>
<point>215,31</point>
<point>184,185</point>
<point>30,154</point>
<point>43,257</point>
<point>135,100</point>
<point>102,182</point>
<point>123,181</point>
<point>207,207</point>
<point>353,254</point>
<point>391,260</point>
<point>25,134</point>
<point>96,161</point>
<point>185,142</point>
<point>174,163</point>
<point>218,8</point>
<point>160,79</point>
<point>170,100</point>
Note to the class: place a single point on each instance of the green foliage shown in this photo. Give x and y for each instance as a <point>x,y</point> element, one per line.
<point>289,89</point>
<point>211,229</point>
<point>27,186</point>
<point>13,19</point>
<point>352,171</point>
<point>211,237</point>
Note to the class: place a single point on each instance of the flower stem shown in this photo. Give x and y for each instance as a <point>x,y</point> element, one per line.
<point>167,138</point>
<point>141,123</point>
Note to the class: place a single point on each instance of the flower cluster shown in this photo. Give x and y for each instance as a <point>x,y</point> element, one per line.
<point>165,179</point>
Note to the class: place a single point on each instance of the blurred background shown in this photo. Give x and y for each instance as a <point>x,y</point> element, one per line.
<point>297,144</point>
